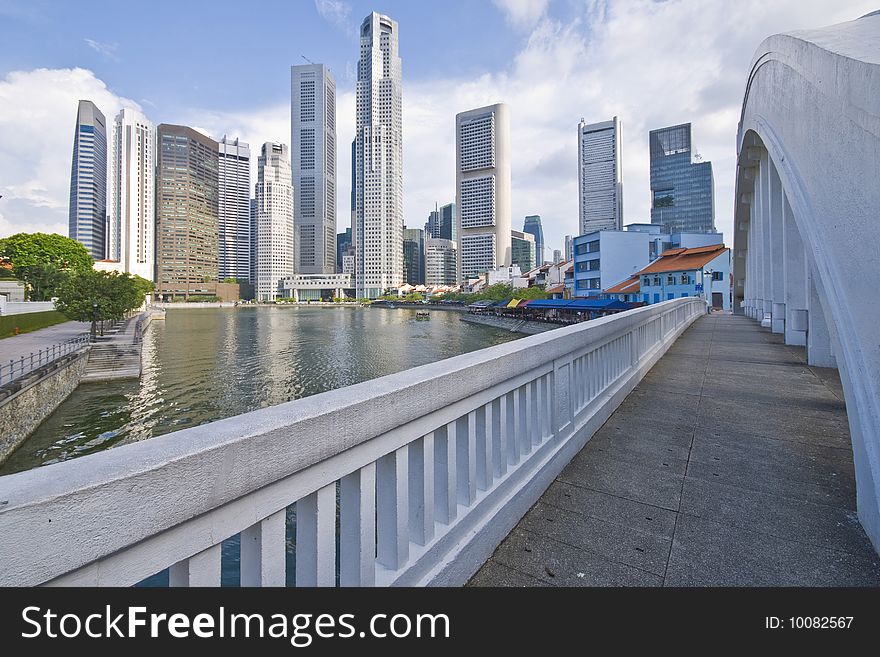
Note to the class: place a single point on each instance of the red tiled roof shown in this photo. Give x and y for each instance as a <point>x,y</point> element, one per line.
<point>629,286</point>
<point>555,289</point>
<point>684,259</point>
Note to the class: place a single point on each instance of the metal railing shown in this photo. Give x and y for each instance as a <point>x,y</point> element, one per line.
<point>416,476</point>
<point>25,364</point>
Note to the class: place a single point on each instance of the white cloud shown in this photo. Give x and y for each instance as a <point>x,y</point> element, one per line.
<point>37,117</point>
<point>106,49</point>
<point>522,13</point>
<point>337,13</point>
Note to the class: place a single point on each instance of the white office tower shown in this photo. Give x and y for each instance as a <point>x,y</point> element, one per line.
<point>313,161</point>
<point>131,199</point>
<point>274,221</point>
<point>234,210</point>
<point>482,184</point>
<point>440,262</point>
<point>600,176</point>
<point>378,229</point>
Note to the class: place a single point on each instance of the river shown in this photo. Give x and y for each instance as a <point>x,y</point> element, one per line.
<point>201,365</point>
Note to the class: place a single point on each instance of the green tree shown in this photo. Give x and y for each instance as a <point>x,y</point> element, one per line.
<point>38,259</point>
<point>114,295</point>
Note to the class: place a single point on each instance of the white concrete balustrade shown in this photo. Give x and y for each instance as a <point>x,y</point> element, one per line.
<point>417,476</point>
<point>807,259</point>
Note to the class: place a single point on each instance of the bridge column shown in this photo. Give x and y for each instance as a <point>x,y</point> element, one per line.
<point>819,352</point>
<point>776,264</point>
<point>753,275</point>
<point>766,249</point>
<point>794,273</point>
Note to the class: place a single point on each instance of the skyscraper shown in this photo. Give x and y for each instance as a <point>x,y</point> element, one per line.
<point>234,209</point>
<point>414,256</point>
<point>440,262</point>
<point>275,228</point>
<point>186,211</point>
<point>532,226</point>
<point>448,228</point>
<point>600,176</point>
<point>432,227</point>
<point>522,250</point>
<point>378,229</point>
<point>343,241</point>
<point>569,247</point>
<point>682,191</point>
<point>557,256</point>
<point>482,181</point>
<point>313,161</point>
<point>131,237</point>
<point>87,217</point>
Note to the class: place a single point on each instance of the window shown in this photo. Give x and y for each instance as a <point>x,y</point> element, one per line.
<point>593,247</point>
<point>664,198</point>
<point>646,282</point>
<point>592,265</point>
<point>670,279</point>
<point>685,279</point>
<point>581,249</point>
<point>717,275</point>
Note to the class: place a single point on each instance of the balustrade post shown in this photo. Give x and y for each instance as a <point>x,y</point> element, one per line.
<point>316,538</point>
<point>202,569</point>
<point>357,528</point>
<point>263,552</point>
<point>392,514</point>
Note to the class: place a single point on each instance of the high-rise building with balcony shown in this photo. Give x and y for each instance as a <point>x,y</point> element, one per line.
<point>378,226</point>
<point>482,181</point>
<point>131,206</point>
<point>313,162</point>
<point>186,212</point>
<point>682,185</point>
<point>600,176</point>
<point>234,210</point>
<point>87,217</point>
<point>274,220</point>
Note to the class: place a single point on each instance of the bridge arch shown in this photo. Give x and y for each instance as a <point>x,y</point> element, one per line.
<point>807,216</point>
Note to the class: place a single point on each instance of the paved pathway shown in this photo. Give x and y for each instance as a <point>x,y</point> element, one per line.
<point>16,346</point>
<point>730,464</point>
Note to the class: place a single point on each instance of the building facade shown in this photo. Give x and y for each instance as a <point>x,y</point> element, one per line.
<point>186,212</point>
<point>313,161</point>
<point>482,181</point>
<point>343,241</point>
<point>606,258</point>
<point>532,226</point>
<point>274,220</point>
<point>522,250</point>
<point>682,190</point>
<point>569,247</point>
<point>87,215</point>
<point>440,262</point>
<point>698,272</point>
<point>600,176</point>
<point>131,206</point>
<point>414,256</point>
<point>234,209</point>
<point>378,226</point>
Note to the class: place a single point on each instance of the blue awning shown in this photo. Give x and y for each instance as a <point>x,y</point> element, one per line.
<point>576,305</point>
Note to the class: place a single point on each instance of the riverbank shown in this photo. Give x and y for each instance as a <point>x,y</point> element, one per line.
<point>313,304</point>
<point>509,324</point>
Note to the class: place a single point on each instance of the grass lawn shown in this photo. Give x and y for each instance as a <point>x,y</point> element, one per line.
<point>28,322</point>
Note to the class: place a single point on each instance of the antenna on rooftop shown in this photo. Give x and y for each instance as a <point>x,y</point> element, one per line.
<point>307,59</point>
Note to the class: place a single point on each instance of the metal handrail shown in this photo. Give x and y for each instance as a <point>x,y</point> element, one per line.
<point>25,364</point>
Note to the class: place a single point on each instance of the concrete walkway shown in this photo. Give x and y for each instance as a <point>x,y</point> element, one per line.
<point>22,345</point>
<point>729,465</point>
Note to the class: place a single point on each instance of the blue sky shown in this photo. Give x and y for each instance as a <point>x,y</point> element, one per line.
<point>223,67</point>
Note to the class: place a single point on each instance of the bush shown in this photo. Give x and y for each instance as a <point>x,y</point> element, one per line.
<point>27,322</point>
<point>203,298</point>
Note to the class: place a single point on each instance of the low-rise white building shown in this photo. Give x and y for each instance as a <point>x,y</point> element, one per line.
<point>317,287</point>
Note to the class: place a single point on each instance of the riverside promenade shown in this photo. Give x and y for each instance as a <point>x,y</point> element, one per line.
<point>16,346</point>
<point>730,464</point>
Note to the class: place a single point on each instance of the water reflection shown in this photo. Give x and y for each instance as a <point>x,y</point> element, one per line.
<point>203,365</point>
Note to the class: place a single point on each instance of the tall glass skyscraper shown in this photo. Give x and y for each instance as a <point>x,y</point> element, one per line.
<point>482,181</point>
<point>313,162</point>
<point>532,226</point>
<point>414,256</point>
<point>682,190</point>
<point>600,176</point>
<point>87,219</point>
<point>378,229</point>
<point>234,209</point>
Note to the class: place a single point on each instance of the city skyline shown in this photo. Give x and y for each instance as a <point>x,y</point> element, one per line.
<point>35,181</point>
